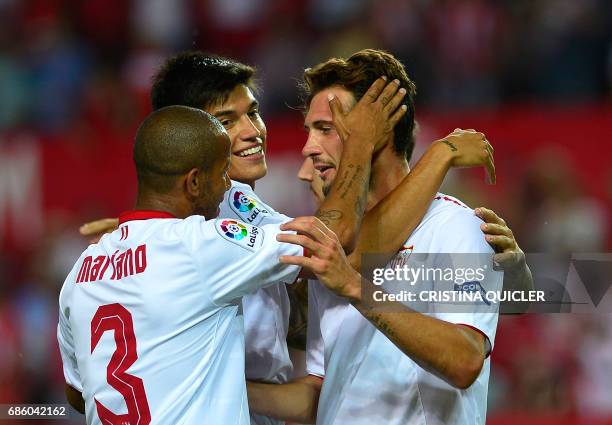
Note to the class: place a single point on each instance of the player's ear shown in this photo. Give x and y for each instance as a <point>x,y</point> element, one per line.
<point>193,182</point>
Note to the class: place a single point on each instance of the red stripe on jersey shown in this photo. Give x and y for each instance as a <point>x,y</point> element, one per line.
<point>449,199</point>
<point>143,215</point>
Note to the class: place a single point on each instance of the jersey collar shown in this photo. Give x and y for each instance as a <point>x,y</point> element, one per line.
<point>142,215</point>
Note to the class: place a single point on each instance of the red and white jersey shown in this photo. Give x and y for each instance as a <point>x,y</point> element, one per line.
<point>368,380</point>
<point>151,327</point>
<point>266,311</point>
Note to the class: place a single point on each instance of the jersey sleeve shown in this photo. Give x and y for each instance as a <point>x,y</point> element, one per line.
<point>66,346</point>
<point>242,203</point>
<point>237,258</point>
<point>471,258</point>
<point>315,358</point>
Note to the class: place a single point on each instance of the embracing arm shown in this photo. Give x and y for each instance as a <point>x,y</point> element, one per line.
<point>295,401</point>
<point>387,226</point>
<point>454,353</point>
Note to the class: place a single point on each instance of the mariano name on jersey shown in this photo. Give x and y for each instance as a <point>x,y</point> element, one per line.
<point>151,327</point>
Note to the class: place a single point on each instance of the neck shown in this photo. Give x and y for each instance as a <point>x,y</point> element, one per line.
<point>388,170</point>
<point>162,202</point>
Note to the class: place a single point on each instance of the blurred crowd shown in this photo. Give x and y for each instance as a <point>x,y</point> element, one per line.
<point>80,71</point>
<point>64,63</point>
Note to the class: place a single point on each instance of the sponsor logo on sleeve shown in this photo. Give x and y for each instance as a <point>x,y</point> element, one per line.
<point>246,207</point>
<point>473,287</point>
<point>242,234</point>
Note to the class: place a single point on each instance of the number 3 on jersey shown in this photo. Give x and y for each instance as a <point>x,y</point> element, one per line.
<point>115,318</point>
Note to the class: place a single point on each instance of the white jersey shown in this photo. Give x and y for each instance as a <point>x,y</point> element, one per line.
<point>368,380</point>
<point>151,327</point>
<point>266,311</point>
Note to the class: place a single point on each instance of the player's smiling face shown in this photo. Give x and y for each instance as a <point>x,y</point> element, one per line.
<point>247,132</point>
<point>324,145</point>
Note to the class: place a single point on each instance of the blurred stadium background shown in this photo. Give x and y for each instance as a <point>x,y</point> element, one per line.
<point>534,75</point>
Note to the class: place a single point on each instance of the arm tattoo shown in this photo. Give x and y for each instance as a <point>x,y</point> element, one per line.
<point>327,216</point>
<point>360,202</point>
<point>450,145</point>
<point>347,181</point>
<point>360,205</point>
<point>382,325</point>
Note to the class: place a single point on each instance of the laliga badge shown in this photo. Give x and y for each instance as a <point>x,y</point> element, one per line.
<point>245,235</point>
<point>246,207</point>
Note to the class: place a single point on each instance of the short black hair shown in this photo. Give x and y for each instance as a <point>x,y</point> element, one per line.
<point>173,140</point>
<point>356,74</point>
<point>198,80</point>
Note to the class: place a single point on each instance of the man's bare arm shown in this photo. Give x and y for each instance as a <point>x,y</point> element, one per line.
<point>295,401</point>
<point>387,226</point>
<point>364,130</point>
<point>455,353</point>
<point>421,337</point>
<point>96,229</point>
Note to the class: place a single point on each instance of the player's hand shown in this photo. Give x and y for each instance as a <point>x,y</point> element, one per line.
<point>326,259</point>
<point>497,233</point>
<point>468,148</point>
<point>96,229</point>
<point>373,118</point>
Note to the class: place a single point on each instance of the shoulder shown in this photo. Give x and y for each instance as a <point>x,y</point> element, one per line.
<point>447,210</point>
<point>244,204</point>
<point>69,282</point>
<point>183,229</point>
<point>456,224</point>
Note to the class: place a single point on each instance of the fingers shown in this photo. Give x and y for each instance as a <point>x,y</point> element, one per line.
<point>490,168</point>
<point>375,89</point>
<point>465,130</point>
<point>488,146</point>
<point>104,225</point>
<point>297,261</point>
<point>496,229</point>
<point>500,243</point>
<point>335,106</point>
<point>397,115</point>
<point>507,259</point>
<point>389,92</point>
<point>489,216</point>
<point>309,263</point>
<point>395,101</point>
<point>301,240</point>
<point>337,112</point>
<point>311,226</point>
